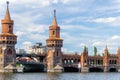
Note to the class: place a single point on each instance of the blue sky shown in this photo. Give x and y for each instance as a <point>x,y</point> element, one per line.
<point>83,23</point>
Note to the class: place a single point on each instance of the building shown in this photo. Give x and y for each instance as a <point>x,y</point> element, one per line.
<point>7,44</point>
<point>54,44</point>
<point>57,61</point>
<point>20,51</point>
<point>38,48</point>
<point>106,63</point>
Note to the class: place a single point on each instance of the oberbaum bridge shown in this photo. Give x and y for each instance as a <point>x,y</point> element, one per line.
<point>55,60</point>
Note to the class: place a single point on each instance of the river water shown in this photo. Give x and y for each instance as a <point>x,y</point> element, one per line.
<point>60,76</point>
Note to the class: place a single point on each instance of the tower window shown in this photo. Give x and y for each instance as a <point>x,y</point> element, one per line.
<point>10,29</point>
<point>0,51</point>
<point>53,33</point>
<point>57,53</point>
<point>9,52</point>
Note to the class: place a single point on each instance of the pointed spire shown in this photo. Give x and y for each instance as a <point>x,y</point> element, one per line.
<point>54,23</point>
<point>7,15</point>
<point>106,48</point>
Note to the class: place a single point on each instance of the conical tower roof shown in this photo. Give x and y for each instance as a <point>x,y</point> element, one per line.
<point>54,23</point>
<point>7,15</point>
<point>106,49</point>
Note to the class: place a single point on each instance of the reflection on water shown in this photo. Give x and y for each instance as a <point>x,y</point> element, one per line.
<point>6,76</point>
<point>60,76</point>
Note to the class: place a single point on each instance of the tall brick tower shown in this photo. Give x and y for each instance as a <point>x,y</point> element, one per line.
<point>118,60</point>
<point>54,44</point>
<point>105,59</point>
<point>84,63</point>
<point>7,44</point>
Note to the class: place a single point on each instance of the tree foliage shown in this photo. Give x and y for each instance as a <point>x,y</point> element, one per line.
<point>95,51</point>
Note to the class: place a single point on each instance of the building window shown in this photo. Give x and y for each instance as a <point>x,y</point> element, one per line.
<point>53,32</point>
<point>57,53</point>
<point>9,52</point>
<point>10,29</point>
<point>0,51</point>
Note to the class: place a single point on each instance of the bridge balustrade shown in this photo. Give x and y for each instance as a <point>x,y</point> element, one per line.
<point>70,61</point>
<point>112,61</point>
<point>93,62</point>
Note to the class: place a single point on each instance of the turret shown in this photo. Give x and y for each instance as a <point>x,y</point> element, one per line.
<point>7,44</point>
<point>54,44</point>
<point>106,53</point>
<point>84,57</point>
<point>7,23</point>
<point>106,59</point>
<point>118,54</point>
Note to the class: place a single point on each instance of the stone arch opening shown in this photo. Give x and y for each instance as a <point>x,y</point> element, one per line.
<point>112,70</point>
<point>64,61</point>
<point>71,69</point>
<point>9,51</point>
<point>31,68</point>
<point>95,69</point>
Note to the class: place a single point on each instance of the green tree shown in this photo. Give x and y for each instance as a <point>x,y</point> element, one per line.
<point>95,51</point>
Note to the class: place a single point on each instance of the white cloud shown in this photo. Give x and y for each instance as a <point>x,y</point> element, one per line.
<point>113,21</point>
<point>105,20</point>
<point>76,27</point>
<point>25,23</point>
<point>72,1</point>
<point>19,33</point>
<point>112,43</point>
<point>37,37</point>
<point>115,37</point>
<point>65,1</point>
<point>82,45</point>
<point>27,43</point>
<point>99,43</point>
<point>55,1</point>
<point>64,50</point>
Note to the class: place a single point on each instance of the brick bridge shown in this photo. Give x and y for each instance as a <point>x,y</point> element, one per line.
<point>105,63</point>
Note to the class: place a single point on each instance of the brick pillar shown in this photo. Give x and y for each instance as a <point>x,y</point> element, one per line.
<point>84,63</point>
<point>118,60</point>
<point>106,60</point>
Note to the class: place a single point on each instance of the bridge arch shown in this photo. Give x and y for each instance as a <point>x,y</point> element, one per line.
<point>95,69</point>
<point>71,69</point>
<point>113,70</point>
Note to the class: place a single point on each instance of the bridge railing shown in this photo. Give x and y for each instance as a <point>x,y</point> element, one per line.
<point>30,62</point>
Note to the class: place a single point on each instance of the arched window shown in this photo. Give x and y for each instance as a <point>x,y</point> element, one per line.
<point>115,62</point>
<point>10,29</point>
<point>53,32</point>
<point>57,53</point>
<point>9,52</point>
<point>1,51</point>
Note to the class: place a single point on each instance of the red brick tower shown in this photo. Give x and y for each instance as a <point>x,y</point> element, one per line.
<point>54,44</point>
<point>7,44</point>
<point>84,57</point>
<point>118,60</point>
<point>106,59</point>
